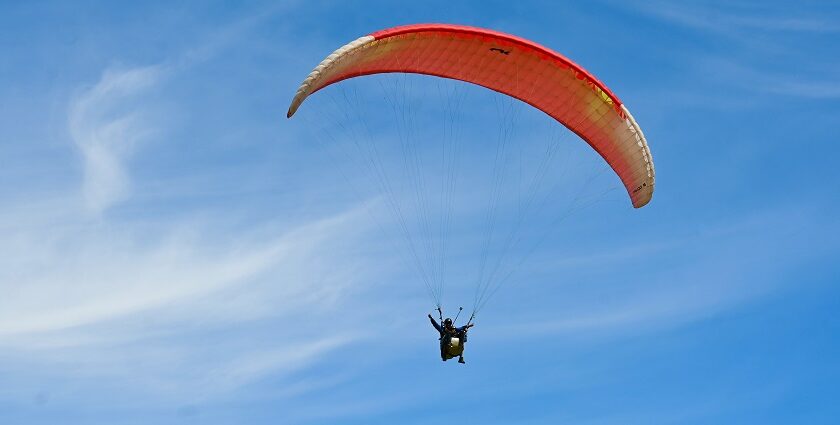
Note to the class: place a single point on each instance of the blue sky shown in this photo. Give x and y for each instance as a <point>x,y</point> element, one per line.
<point>174,250</point>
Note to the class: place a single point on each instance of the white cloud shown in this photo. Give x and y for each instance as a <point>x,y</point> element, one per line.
<point>106,123</point>
<point>733,22</point>
<point>83,299</point>
<point>289,358</point>
<point>170,310</point>
<point>770,52</point>
<point>683,283</point>
<point>85,296</point>
<point>750,79</point>
<point>90,272</point>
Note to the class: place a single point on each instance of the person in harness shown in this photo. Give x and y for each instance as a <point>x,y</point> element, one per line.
<point>452,339</point>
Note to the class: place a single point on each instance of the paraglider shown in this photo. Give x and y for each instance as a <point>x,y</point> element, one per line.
<point>452,339</point>
<point>515,67</point>
<point>510,65</point>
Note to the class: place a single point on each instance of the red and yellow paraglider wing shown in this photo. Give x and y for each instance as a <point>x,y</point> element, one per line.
<point>507,64</point>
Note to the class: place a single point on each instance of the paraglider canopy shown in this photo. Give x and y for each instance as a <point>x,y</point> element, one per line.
<point>507,64</point>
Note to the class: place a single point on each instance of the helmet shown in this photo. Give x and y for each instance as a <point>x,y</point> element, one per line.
<point>447,322</point>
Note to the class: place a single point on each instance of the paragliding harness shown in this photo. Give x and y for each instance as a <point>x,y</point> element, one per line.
<point>452,344</point>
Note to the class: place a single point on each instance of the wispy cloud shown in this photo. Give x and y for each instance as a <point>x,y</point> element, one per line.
<point>107,123</point>
<point>699,286</point>
<point>112,273</point>
<point>735,73</point>
<point>730,20</point>
<point>150,305</point>
<point>150,297</point>
<point>275,362</point>
<point>768,52</point>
